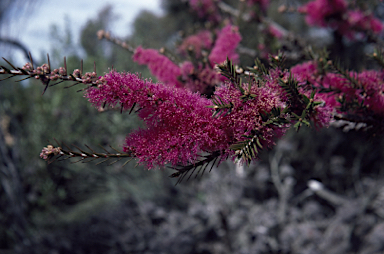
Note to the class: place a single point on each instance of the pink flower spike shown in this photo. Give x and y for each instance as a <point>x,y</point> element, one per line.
<point>245,116</point>
<point>373,84</point>
<point>276,31</point>
<point>200,79</point>
<point>360,21</point>
<point>225,45</point>
<point>206,9</point>
<point>179,125</point>
<point>198,42</point>
<point>159,65</point>
<point>318,11</point>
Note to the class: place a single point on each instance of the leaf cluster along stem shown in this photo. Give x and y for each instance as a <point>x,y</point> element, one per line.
<point>220,108</point>
<point>228,70</point>
<point>201,165</point>
<point>67,152</point>
<point>259,69</point>
<point>45,74</point>
<point>378,55</point>
<point>347,74</point>
<point>249,149</point>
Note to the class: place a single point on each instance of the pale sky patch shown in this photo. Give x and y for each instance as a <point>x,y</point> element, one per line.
<point>34,30</point>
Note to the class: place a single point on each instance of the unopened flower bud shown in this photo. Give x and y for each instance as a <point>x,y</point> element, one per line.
<point>282,8</point>
<point>49,151</point>
<point>100,34</point>
<point>61,71</point>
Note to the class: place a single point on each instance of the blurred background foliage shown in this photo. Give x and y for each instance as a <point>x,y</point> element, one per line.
<point>268,207</point>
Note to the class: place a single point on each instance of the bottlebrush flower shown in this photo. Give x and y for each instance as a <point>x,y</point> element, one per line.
<point>319,12</point>
<point>335,15</point>
<point>275,31</point>
<point>160,66</point>
<point>308,72</point>
<point>367,91</point>
<point>225,45</point>
<point>361,22</point>
<point>179,125</point>
<point>206,9</point>
<point>245,117</point>
<point>198,42</point>
<point>304,73</point>
<point>201,79</point>
<point>373,84</point>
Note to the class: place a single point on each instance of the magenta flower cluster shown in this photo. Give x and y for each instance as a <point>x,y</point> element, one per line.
<point>206,9</point>
<point>321,115</point>
<point>245,116</point>
<point>200,78</point>
<point>225,45</point>
<point>195,110</point>
<point>197,43</point>
<point>319,12</point>
<point>160,65</point>
<point>357,21</point>
<point>366,89</point>
<point>275,31</point>
<point>195,77</point>
<point>178,123</point>
<point>335,14</point>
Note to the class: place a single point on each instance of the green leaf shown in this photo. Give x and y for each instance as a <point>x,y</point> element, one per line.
<point>228,70</point>
<point>306,122</point>
<point>201,165</point>
<point>258,143</point>
<point>295,115</point>
<point>259,68</point>
<point>303,114</point>
<point>313,94</point>
<point>297,126</point>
